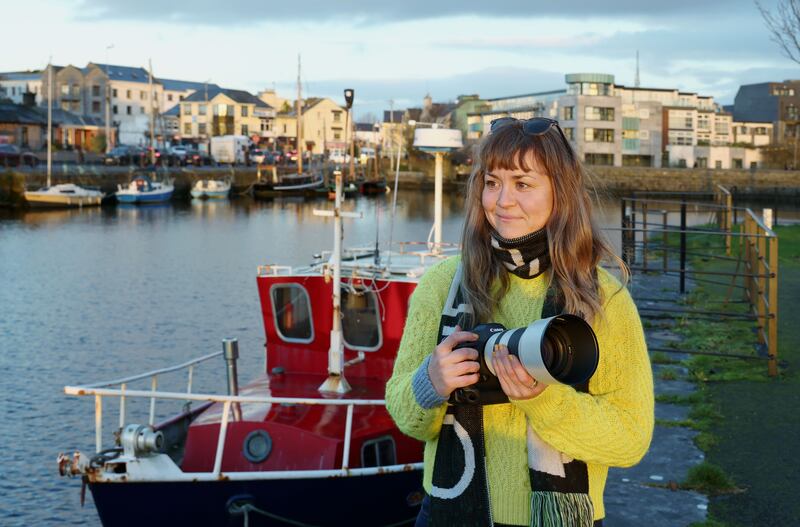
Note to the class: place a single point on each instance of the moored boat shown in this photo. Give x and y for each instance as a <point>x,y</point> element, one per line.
<point>63,195</point>
<point>302,184</point>
<point>211,189</point>
<point>143,189</point>
<point>309,431</point>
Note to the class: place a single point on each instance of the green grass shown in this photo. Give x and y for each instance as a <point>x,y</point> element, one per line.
<point>744,418</point>
<point>709,479</point>
<point>659,357</point>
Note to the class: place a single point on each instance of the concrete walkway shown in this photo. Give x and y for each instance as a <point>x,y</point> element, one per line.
<point>633,496</point>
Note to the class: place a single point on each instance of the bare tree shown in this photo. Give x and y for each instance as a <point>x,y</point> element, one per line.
<point>783,24</point>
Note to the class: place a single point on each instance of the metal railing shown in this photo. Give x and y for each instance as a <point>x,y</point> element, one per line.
<point>745,239</point>
<point>102,390</point>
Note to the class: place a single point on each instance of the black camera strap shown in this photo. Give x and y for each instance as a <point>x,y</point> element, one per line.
<point>460,488</point>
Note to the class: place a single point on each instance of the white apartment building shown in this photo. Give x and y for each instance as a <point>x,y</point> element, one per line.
<point>16,83</point>
<point>541,104</point>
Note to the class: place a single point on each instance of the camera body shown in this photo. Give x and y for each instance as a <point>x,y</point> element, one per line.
<point>561,349</point>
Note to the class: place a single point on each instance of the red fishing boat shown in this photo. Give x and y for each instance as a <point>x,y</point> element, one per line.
<point>307,442</point>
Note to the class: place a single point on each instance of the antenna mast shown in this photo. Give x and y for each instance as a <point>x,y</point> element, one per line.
<point>636,80</point>
<point>299,122</point>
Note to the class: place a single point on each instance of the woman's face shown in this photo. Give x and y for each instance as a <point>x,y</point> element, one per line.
<point>517,202</point>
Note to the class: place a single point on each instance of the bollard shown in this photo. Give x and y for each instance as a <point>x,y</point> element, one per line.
<point>230,349</point>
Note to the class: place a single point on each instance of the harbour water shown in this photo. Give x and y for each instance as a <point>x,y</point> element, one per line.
<point>95,294</point>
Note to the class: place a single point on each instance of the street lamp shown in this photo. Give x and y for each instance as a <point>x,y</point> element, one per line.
<point>349,95</point>
<point>108,102</point>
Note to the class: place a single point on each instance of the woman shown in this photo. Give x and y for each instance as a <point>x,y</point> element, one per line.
<point>530,250</point>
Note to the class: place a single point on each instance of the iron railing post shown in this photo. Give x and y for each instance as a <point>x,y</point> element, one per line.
<point>665,239</point>
<point>773,306</point>
<point>683,248</point>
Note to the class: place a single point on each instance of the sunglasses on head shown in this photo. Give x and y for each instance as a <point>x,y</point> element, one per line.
<point>533,127</point>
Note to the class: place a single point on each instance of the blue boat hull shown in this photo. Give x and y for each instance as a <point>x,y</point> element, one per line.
<point>383,499</point>
<point>149,197</point>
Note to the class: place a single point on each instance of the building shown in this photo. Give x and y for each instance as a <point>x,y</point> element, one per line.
<point>465,104</point>
<point>98,90</point>
<point>771,102</point>
<point>223,111</point>
<point>752,133</point>
<point>323,126</point>
<point>541,104</point>
<point>13,85</point>
<point>22,125</point>
<point>368,134</point>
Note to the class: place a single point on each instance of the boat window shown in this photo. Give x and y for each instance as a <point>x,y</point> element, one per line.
<point>292,311</point>
<point>378,452</point>
<point>361,322</point>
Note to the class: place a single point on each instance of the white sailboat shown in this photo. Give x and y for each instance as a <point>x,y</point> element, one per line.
<point>211,189</point>
<point>65,194</point>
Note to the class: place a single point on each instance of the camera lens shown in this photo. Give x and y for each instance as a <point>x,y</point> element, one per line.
<point>557,351</point>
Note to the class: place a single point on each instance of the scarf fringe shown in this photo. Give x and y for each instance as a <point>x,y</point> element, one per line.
<point>560,509</point>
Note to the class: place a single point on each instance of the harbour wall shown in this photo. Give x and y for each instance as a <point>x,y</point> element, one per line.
<point>769,184</point>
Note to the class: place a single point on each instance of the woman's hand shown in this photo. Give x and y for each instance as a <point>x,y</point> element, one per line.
<point>515,380</point>
<point>450,369</point>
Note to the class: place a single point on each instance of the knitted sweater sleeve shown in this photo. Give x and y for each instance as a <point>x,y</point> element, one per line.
<point>417,344</point>
<point>613,424</point>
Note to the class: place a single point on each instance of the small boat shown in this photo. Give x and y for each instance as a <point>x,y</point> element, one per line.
<point>211,189</point>
<point>142,189</point>
<point>348,191</point>
<point>63,195</point>
<point>372,187</point>
<point>288,185</point>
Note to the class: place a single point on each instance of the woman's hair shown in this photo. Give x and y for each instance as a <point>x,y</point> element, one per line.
<point>575,242</point>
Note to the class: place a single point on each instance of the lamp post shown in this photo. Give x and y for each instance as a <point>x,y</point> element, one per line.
<point>349,95</point>
<point>108,102</point>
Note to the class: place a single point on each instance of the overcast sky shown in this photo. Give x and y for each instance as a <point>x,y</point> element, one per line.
<point>403,50</point>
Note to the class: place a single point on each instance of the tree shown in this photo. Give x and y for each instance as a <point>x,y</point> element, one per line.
<point>784,26</point>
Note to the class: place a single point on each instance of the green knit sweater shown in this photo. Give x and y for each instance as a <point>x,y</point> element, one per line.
<point>610,426</point>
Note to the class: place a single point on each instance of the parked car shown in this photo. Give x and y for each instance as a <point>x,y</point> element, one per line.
<point>197,158</point>
<point>13,156</point>
<point>125,155</point>
<point>178,154</point>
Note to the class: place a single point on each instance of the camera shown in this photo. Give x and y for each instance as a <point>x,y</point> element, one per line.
<point>561,349</point>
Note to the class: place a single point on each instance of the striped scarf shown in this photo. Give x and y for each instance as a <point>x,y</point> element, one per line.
<point>526,256</point>
<point>460,488</point>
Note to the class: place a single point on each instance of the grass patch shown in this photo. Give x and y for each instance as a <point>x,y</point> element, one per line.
<point>681,423</point>
<point>671,398</point>
<point>709,479</point>
<point>659,357</point>
<point>709,523</point>
<point>668,374</point>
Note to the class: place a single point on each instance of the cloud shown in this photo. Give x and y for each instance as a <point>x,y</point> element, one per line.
<point>246,12</point>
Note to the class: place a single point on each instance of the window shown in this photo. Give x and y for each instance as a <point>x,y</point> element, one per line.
<point>95,90</point>
<point>737,163</point>
<point>187,128</point>
<point>201,128</point>
<point>76,106</point>
<point>95,106</point>
<point>569,113</point>
<point>337,117</point>
<point>141,109</point>
<point>76,90</point>
<point>169,97</point>
<point>718,164</point>
<point>361,325</point>
<point>291,311</point>
<point>598,135</point>
<point>630,134</point>
<point>594,113</point>
<point>201,109</point>
<point>187,109</point>
<point>128,94</point>
<point>702,162</point>
<point>142,94</point>
<point>336,135</point>
<point>65,89</point>
<point>599,159</point>
<point>245,129</point>
<point>129,110</point>
<point>114,92</point>
<point>378,452</point>
<point>244,111</point>
<point>114,109</point>
<point>569,133</point>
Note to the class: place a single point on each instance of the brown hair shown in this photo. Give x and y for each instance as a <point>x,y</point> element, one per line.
<point>575,242</point>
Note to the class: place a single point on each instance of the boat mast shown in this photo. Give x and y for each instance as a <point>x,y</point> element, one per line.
<point>299,113</point>
<point>152,127</point>
<point>49,120</point>
<point>336,383</point>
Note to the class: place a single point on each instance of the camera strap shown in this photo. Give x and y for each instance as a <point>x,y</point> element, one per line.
<point>460,488</point>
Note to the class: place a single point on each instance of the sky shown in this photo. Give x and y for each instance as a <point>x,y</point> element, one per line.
<point>401,51</point>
